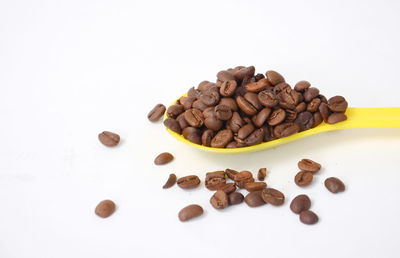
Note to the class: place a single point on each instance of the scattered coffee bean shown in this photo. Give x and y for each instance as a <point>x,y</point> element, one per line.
<point>229,188</point>
<point>235,198</point>
<point>334,185</point>
<point>188,182</point>
<point>215,180</point>
<point>190,212</point>
<point>309,165</point>
<point>242,178</point>
<point>300,203</point>
<point>109,139</point>
<point>262,173</point>
<point>105,208</point>
<point>308,217</point>
<point>273,196</point>
<point>254,199</point>
<point>163,158</point>
<point>156,113</point>
<point>170,182</point>
<point>231,173</point>
<point>219,200</point>
<point>255,186</point>
<point>303,178</point>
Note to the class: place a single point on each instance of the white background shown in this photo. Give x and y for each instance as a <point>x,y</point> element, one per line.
<point>71,69</point>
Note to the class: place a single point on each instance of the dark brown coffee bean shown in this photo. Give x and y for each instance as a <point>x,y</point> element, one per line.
<point>324,110</point>
<point>231,173</point>
<point>228,88</point>
<point>337,104</point>
<point>277,117</point>
<point>262,173</point>
<point>254,199</point>
<point>195,138</point>
<point>309,165</point>
<point>187,104</point>
<point>245,106</point>
<point>213,123</point>
<point>235,198</point>
<point>303,178</point>
<point>188,182</point>
<point>290,115</point>
<point>269,133</point>
<point>236,122</point>
<point>209,98</point>
<point>289,98</point>
<point>259,76</point>
<point>105,208</point>
<point>163,158</point>
<point>273,196</point>
<point>241,73</point>
<point>223,112</point>
<point>225,76</point>
<point>334,185</point>
<point>262,116</point>
<point>230,102</point>
<point>255,186</point>
<point>313,105</point>
<point>222,138</point>
<point>274,77</point>
<point>198,104</point>
<point>308,217</point>
<point>300,203</point>
<point>193,93</point>
<point>255,137</point>
<point>258,86</point>
<point>310,94</point>
<point>228,188</point>
<point>302,86</point>
<point>240,91</point>
<point>268,98</point>
<point>317,119</point>
<point>323,99</point>
<point>182,121</point>
<point>174,110</point>
<point>173,125</point>
<point>245,131</point>
<point>219,200</point>
<point>301,107</point>
<point>280,87</point>
<point>109,139</point>
<point>305,120</point>
<point>189,130</point>
<point>336,118</point>
<point>156,113</point>
<point>170,182</point>
<point>190,212</point>
<point>252,98</point>
<point>242,178</point>
<point>206,137</point>
<point>194,117</point>
<point>286,129</point>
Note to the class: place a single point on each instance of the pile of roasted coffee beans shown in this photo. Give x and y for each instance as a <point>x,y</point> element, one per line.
<point>243,108</point>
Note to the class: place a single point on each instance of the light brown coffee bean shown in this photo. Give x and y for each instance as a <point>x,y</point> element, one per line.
<point>308,217</point>
<point>242,178</point>
<point>223,112</point>
<point>254,199</point>
<point>245,131</point>
<point>277,117</point>
<point>262,116</point>
<point>188,182</point>
<point>302,86</point>
<point>206,137</point>
<point>225,76</point>
<point>105,208</point>
<point>303,178</point>
<point>235,198</point>
<point>190,212</point>
<point>228,188</point>
<point>309,165</point>
<point>230,102</point>
<point>231,173</point>
<point>222,138</point>
<point>163,158</point>
<point>245,106</point>
<point>244,72</point>
<point>228,88</point>
<point>300,203</point>
<point>273,196</point>
<point>194,117</point>
<point>109,139</point>
<point>334,185</point>
<point>170,182</point>
<point>262,173</point>
<point>274,77</point>
<point>219,200</point>
<point>156,113</point>
<point>255,186</point>
<point>258,85</point>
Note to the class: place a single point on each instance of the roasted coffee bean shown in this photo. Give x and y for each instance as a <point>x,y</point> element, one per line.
<point>254,199</point>
<point>188,130</point>
<point>245,106</point>
<point>258,86</point>
<point>255,186</point>
<point>336,118</point>
<point>324,110</point>
<point>236,122</point>
<point>241,73</point>
<point>198,104</point>
<point>277,117</point>
<point>173,125</point>
<point>268,133</point>
<point>262,173</point>
<point>219,200</point>
<point>228,88</point>
<point>170,182</point>
<point>235,198</point>
<point>301,107</point>
<point>274,77</point>
<point>232,145</point>
<point>182,121</point>
<point>337,104</point>
<point>230,102</point>
<point>290,115</point>
<point>206,137</point>
<point>240,91</point>
<point>247,120</point>
<point>245,131</point>
<point>228,188</point>
<point>156,113</point>
<point>334,185</point>
<point>259,76</point>
<point>289,98</point>
<point>194,117</point>
<point>303,178</point>
<point>222,138</point>
<point>305,120</point>
<point>313,105</point>
<point>109,139</point>
<point>262,116</point>
<point>181,100</point>
<point>225,76</point>
<point>194,137</point>
<point>209,98</point>
<point>174,110</point>
<point>310,94</point>
<point>231,173</point>
<point>309,165</point>
<point>273,196</point>
<point>268,98</point>
<point>213,123</point>
<point>317,119</point>
<point>323,98</point>
<point>215,180</point>
<point>188,182</point>
<point>302,86</point>
<point>252,98</point>
<point>163,158</point>
<point>105,208</point>
<point>208,112</point>
<point>190,212</point>
<point>187,104</point>
<point>286,129</point>
<point>192,93</point>
<point>255,137</point>
<point>280,87</point>
<point>300,203</point>
<point>204,85</point>
<point>308,217</point>
<point>223,112</point>
<point>242,178</point>
<point>215,174</point>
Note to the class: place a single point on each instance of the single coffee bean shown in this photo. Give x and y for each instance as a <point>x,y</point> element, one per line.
<point>336,118</point>
<point>213,123</point>
<point>274,77</point>
<point>334,185</point>
<point>258,85</point>
<point>198,104</point>
<point>182,121</point>
<point>223,112</point>
<point>255,186</point>
<point>309,165</point>
<point>187,104</point>
<point>262,173</point>
<point>300,203</point>
<point>286,129</point>
<point>174,110</point>
<point>310,93</point>
<point>325,111</point>
<point>289,98</point>
<point>313,105</point>
<point>273,196</point>
<point>170,182</point>
<point>228,88</point>
<point>215,174</point>
<point>245,131</point>
<point>317,119</point>
<point>277,117</point>
<point>323,99</point>
<point>194,117</point>
<point>231,173</point>
<point>259,76</point>
<point>189,130</point>
<point>337,104</point>
<point>303,178</point>
<point>209,98</point>
<point>193,93</point>
<point>188,182</point>
<point>235,198</point>
<point>163,158</point>
<point>245,106</point>
<point>195,138</point>
<point>156,113</point>
<point>254,199</point>
<point>230,102</point>
<point>204,85</point>
<point>225,76</point>
<point>241,73</point>
<point>242,178</point>
<point>222,138</point>
<point>280,87</point>
<point>228,188</point>
<point>109,139</point>
<point>105,208</point>
<point>308,217</point>
<point>301,107</point>
<point>206,137</point>
<point>219,200</point>
<point>173,125</point>
<point>190,212</point>
<point>302,86</point>
<point>305,120</point>
<point>290,115</point>
<point>252,98</point>
<point>215,180</point>
<point>262,116</point>
<point>255,137</point>
<point>236,122</point>
<point>268,98</point>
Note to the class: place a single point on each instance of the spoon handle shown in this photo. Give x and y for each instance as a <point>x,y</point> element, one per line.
<point>371,118</point>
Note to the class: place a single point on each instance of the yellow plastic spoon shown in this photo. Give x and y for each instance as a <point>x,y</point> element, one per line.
<point>356,118</point>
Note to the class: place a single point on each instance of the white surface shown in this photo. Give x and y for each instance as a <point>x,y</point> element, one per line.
<point>71,69</point>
